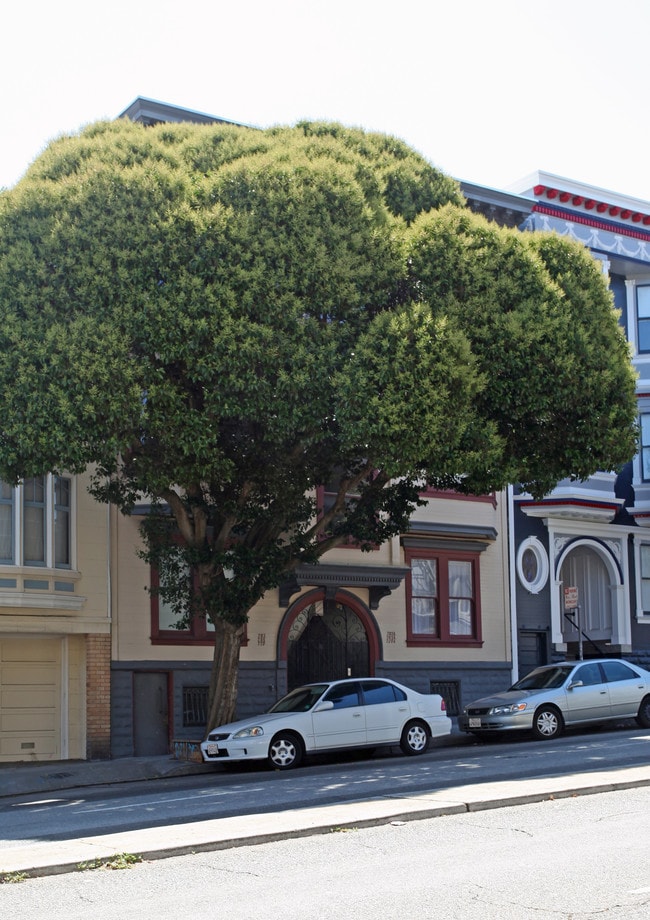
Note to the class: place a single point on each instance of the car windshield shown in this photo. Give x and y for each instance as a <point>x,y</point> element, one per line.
<point>300,700</point>
<point>543,679</point>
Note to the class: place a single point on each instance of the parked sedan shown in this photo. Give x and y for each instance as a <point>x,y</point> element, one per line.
<point>568,693</point>
<point>329,716</point>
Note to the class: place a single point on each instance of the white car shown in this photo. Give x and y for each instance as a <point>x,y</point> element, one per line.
<point>335,715</point>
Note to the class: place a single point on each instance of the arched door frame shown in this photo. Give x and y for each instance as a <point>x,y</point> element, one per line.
<point>616,569</point>
<point>340,597</point>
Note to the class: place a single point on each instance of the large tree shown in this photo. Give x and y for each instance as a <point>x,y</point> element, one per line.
<point>223,319</point>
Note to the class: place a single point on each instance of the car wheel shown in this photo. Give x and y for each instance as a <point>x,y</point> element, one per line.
<point>415,738</point>
<point>285,751</point>
<point>547,723</point>
<point>643,715</point>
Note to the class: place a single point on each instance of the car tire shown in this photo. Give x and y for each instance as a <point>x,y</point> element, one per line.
<point>415,738</point>
<point>285,751</point>
<point>643,715</point>
<point>547,723</point>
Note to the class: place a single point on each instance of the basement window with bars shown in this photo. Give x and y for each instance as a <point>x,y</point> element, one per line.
<point>449,690</point>
<point>195,706</point>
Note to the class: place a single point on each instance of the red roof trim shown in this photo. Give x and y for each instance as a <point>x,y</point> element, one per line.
<point>592,221</point>
<point>591,203</point>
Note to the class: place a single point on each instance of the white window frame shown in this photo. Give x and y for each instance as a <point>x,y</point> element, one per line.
<point>18,549</point>
<point>535,546</point>
<point>642,616</point>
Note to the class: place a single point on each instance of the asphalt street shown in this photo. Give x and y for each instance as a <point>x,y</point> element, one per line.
<point>229,811</point>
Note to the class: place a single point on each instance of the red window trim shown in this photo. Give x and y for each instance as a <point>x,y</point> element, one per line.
<point>444,638</point>
<point>196,634</point>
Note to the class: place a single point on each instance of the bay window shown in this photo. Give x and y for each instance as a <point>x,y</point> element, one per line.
<point>36,522</point>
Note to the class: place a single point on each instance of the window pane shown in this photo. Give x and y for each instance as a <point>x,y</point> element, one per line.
<point>167,618</point>
<point>61,521</point>
<point>460,598</point>
<point>616,670</point>
<point>460,579</point>
<point>34,521</point>
<point>423,615</point>
<point>6,523</point>
<point>424,577</point>
<point>643,301</point>
<point>344,696</point>
<point>644,335</point>
<point>373,694</point>
<point>589,675</point>
<point>460,617</point>
<point>645,560</point>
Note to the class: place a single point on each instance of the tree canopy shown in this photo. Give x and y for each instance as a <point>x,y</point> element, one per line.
<point>224,319</point>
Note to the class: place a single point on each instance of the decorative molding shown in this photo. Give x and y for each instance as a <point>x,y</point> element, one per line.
<point>378,579</point>
<point>436,529</point>
<point>612,238</point>
<point>42,601</point>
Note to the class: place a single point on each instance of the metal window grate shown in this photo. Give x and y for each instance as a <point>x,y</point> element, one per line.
<point>449,690</point>
<point>195,706</point>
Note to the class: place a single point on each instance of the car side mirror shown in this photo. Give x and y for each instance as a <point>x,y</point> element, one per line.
<point>324,706</point>
<point>575,683</point>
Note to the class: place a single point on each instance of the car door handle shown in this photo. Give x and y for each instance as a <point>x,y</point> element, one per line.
<point>603,692</point>
<point>356,715</point>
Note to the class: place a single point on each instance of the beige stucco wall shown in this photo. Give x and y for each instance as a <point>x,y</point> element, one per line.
<point>131,602</point>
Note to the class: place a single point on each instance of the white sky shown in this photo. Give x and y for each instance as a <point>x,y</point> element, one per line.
<point>488,91</point>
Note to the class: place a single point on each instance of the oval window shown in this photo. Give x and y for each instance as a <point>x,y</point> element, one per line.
<point>532,565</point>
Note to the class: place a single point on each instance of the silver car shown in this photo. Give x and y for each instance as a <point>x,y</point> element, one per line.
<point>328,716</point>
<point>564,694</point>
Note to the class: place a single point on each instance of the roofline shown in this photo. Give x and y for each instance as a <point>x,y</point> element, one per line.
<point>143,109</point>
<point>527,185</point>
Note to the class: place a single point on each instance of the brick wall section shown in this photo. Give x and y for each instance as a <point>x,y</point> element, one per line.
<point>98,697</point>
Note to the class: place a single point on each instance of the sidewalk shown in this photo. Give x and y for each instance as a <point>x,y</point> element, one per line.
<point>33,778</point>
<point>36,858</point>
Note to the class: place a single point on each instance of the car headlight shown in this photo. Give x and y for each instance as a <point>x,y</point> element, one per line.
<point>252,732</point>
<point>507,710</point>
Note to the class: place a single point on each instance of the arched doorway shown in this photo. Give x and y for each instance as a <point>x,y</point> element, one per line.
<point>328,638</point>
<point>585,569</point>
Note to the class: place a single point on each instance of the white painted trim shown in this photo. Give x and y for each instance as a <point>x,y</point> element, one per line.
<point>514,629</point>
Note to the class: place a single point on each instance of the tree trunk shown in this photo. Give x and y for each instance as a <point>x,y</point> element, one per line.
<point>225,673</point>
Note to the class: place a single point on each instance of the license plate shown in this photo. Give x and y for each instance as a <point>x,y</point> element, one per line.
<point>474,722</point>
<point>212,750</point>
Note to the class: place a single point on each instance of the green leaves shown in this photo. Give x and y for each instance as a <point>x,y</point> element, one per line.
<point>223,318</point>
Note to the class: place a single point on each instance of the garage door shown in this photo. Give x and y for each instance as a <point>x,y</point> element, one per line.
<point>30,699</point>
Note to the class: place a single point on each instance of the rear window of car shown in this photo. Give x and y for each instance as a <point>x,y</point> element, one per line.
<point>378,692</point>
<point>616,670</point>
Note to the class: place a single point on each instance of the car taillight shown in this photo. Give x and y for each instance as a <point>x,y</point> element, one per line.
<point>443,705</point>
